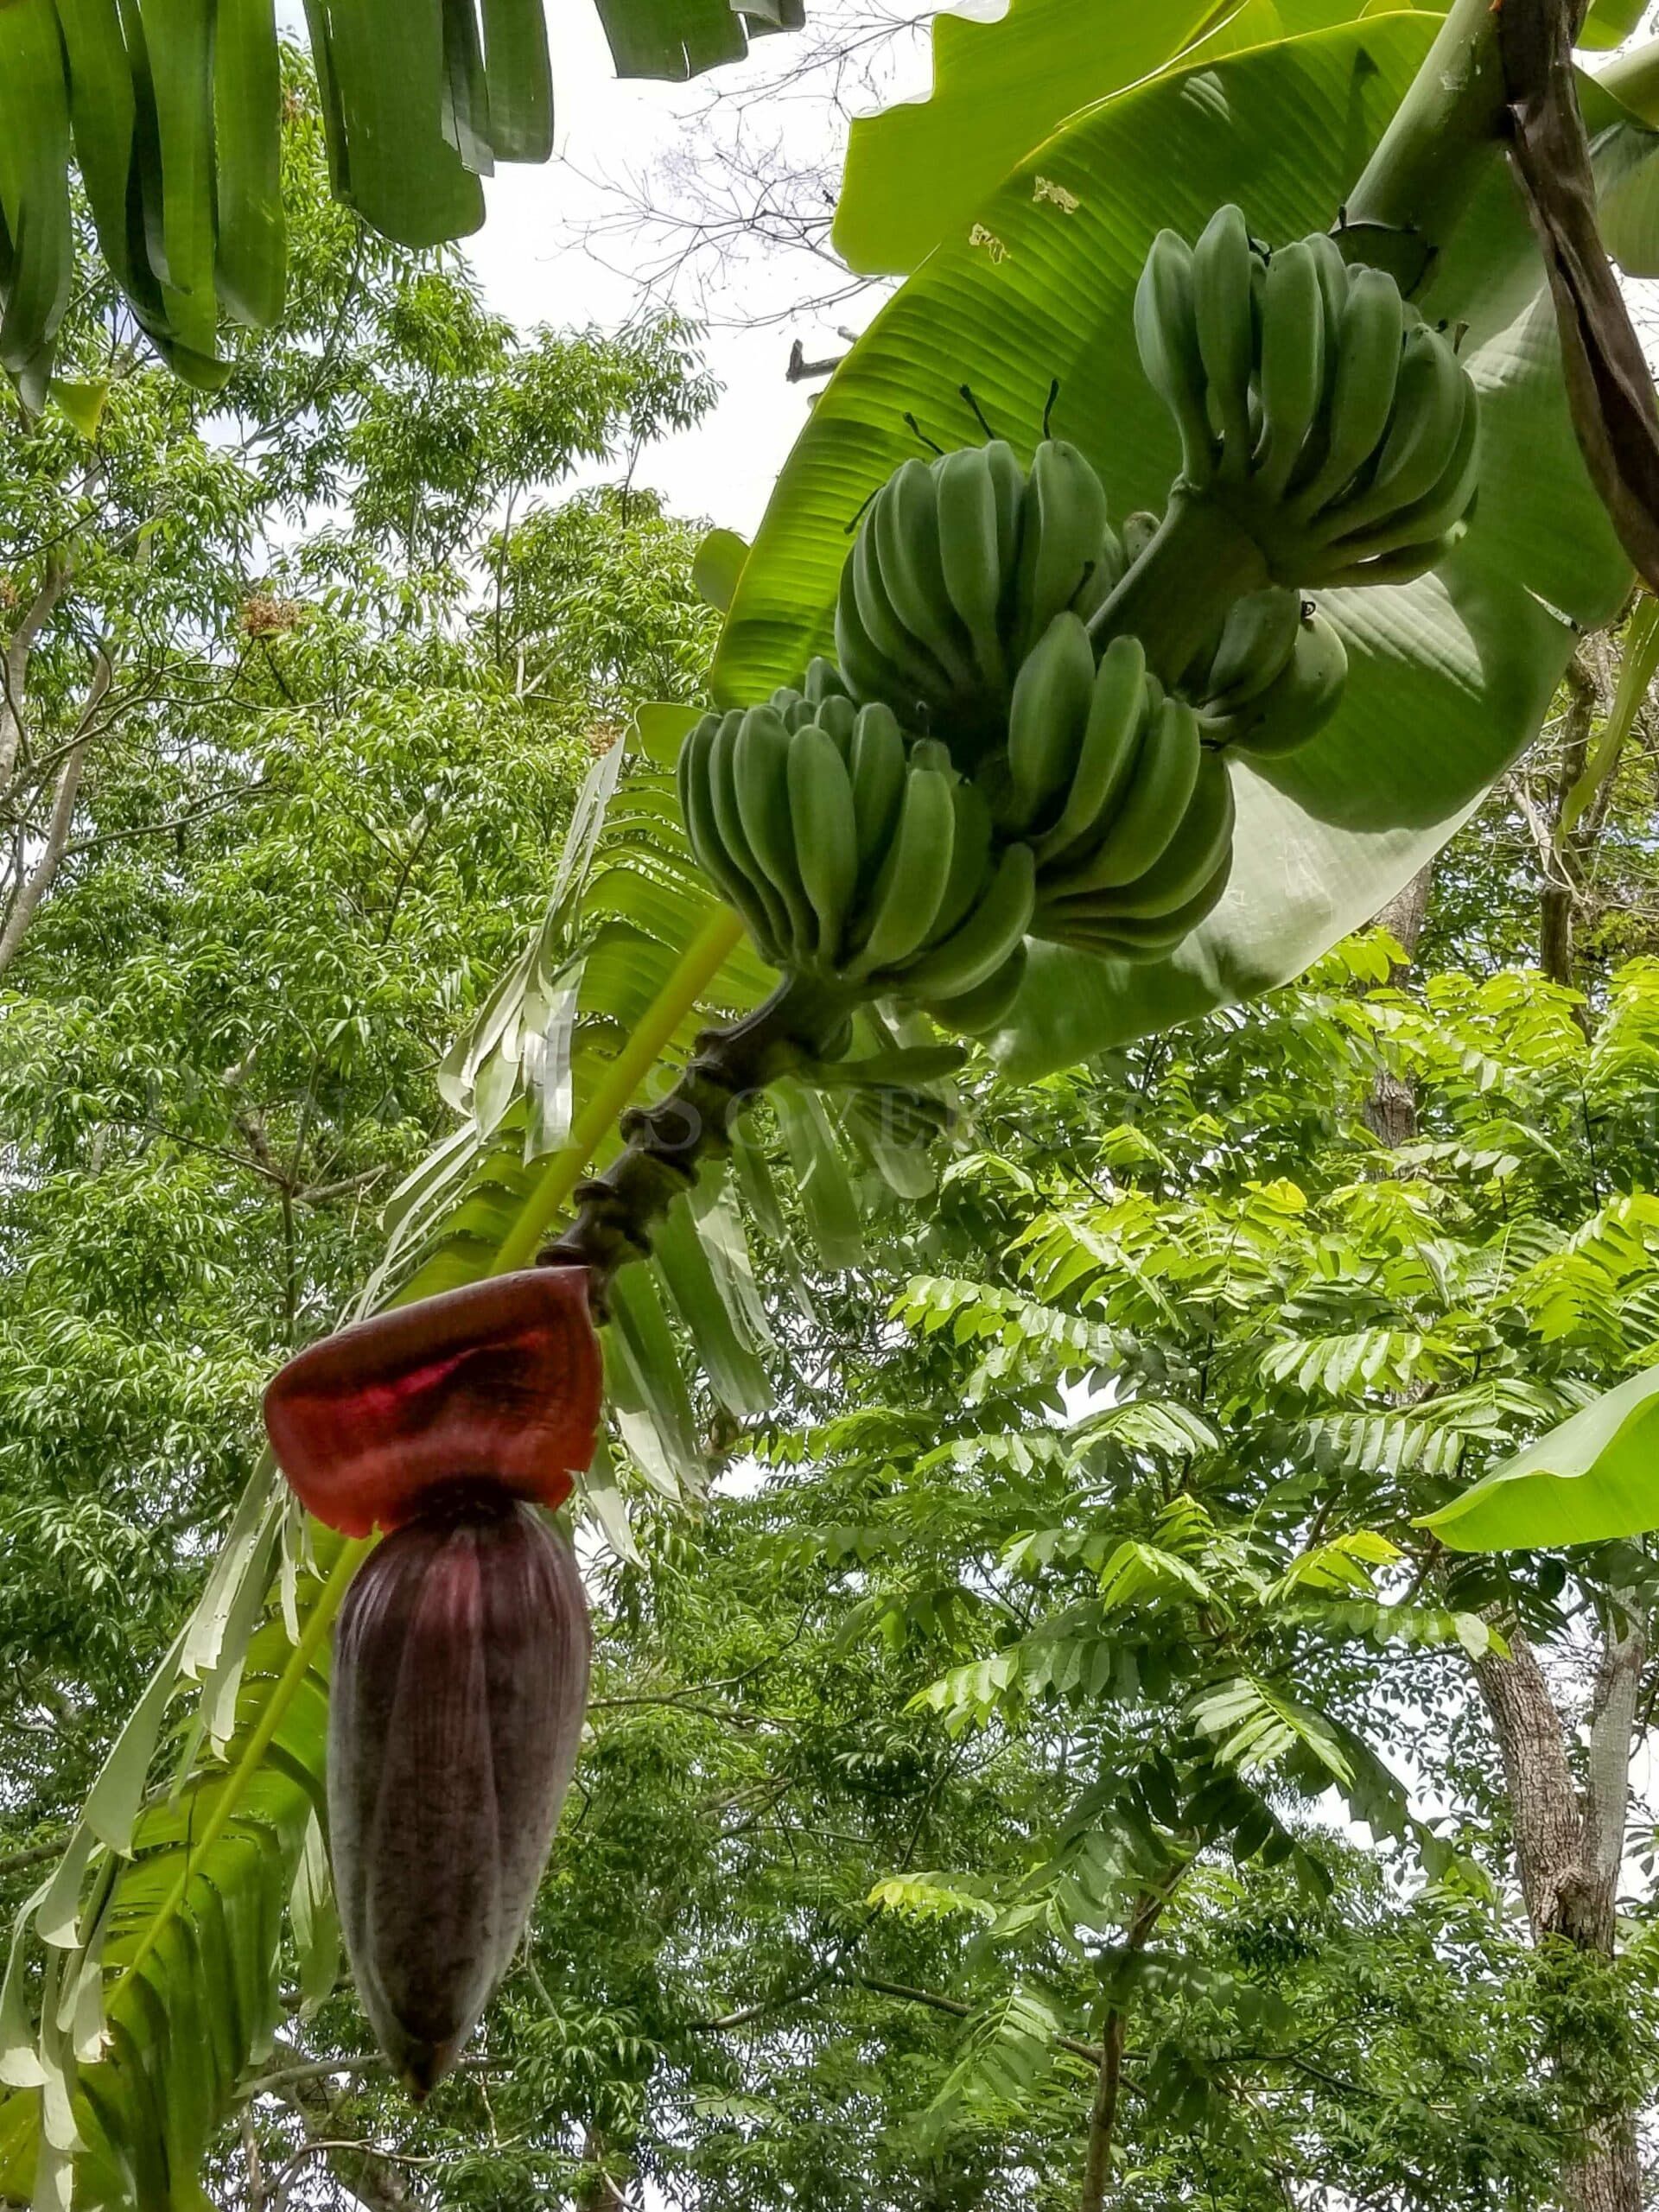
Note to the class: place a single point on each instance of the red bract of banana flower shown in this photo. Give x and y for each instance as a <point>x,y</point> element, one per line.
<point>460,1675</point>
<point>497,1384</point>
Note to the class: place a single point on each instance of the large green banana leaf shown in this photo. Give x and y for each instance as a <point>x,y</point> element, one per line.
<point>916,172</point>
<point>174,107</point>
<point>1593,1478</point>
<point>1450,677</point>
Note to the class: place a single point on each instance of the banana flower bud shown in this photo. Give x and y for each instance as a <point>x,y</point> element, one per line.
<point>463,1650</point>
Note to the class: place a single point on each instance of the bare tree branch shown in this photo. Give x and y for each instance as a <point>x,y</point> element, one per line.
<point>39,878</point>
<point>14,666</point>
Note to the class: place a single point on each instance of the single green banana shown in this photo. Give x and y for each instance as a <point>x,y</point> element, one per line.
<point>1223,270</point>
<point>1166,336</point>
<point>761,778</point>
<point>924,679</point>
<point>1405,565</point>
<point>1336,280</point>
<point>825,824</point>
<point>1007,477</point>
<point>728,825</point>
<point>979,947</point>
<point>1066,541</point>
<point>974,1013</point>
<point>904,520</point>
<point>911,886</point>
<point>971,555</point>
<point>1155,802</point>
<point>876,767</point>
<point>1193,854</point>
<point>1431,398</point>
<point>822,681</point>
<point>838,716</point>
<point>1123,938</point>
<point>1301,701</point>
<point>792,708</point>
<point>1047,717</point>
<point>1438,512</point>
<point>1292,364</point>
<point>690,780</point>
<point>1368,346</point>
<point>1118,714</point>
<point>972,834</point>
<point>1257,638</point>
<point>868,673</point>
<point>698,812</point>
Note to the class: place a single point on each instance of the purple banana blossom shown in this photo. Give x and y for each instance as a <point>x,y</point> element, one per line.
<point>460,1675</point>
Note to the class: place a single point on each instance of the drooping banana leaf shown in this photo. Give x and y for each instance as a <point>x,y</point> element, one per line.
<point>1596,1476</point>
<point>1450,677</point>
<point>678,39</point>
<point>173,110</point>
<point>35,241</point>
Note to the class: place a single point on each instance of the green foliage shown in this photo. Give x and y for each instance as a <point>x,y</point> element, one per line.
<point>316,802</point>
<point>921,171</point>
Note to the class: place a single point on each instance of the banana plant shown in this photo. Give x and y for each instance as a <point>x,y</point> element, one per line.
<point>170,109</point>
<point>144,1978</point>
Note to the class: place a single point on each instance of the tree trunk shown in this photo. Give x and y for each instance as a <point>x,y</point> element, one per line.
<point>1109,2081</point>
<point>600,2191</point>
<point>1555,904</point>
<point>1568,1844</point>
<point>1609,2178</point>
<point>34,881</point>
<point>1391,1110</point>
<point>1102,2120</point>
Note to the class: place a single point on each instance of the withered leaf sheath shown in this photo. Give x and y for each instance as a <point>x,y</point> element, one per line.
<point>461,1676</point>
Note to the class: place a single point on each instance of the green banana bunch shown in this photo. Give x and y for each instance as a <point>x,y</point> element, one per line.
<point>959,566</point>
<point>1108,779</point>
<point>854,856</point>
<point>1275,677</point>
<point>1315,408</point>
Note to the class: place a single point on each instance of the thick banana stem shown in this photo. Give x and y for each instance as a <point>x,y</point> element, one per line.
<point>1178,591</point>
<point>667,1144</point>
<point>1452,121</point>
